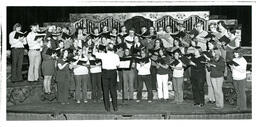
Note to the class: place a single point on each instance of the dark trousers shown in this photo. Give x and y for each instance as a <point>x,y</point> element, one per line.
<point>109,81</point>
<point>17,61</point>
<point>147,80</point>
<point>153,72</point>
<point>239,86</point>
<point>198,89</point>
<point>96,86</point>
<point>63,93</point>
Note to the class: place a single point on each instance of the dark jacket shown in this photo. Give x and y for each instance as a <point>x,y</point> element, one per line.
<point>217,71</point>
<point>198,71</point>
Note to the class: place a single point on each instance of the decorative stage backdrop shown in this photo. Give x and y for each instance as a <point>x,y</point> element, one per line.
<point>137,20</point>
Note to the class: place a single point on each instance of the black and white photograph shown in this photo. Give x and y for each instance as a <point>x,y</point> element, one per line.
<point>144,62</point>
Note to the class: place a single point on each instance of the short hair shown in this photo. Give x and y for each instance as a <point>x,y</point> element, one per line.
<point>132,29</point>
<point>16,25</point>
<point>137,37</point>
<point>199,49</point>
<point>201,23</point>
<point>223,24</point>
<point>177,39</point>
<point>213,24</point>
<point>160,27</point>
<point>152,27</point>
<point>232,30</point>
<point>217,51</point>
<point>34,24</point>
<point>146,53</point>
<point>94,28</point>
<point>239,50</point>
<point>177,51</point>
<point>114,28</point>
<point>110,47</point>
<point>167,26</point>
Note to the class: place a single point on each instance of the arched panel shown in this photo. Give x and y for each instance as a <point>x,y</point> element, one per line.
<point>137,22</point>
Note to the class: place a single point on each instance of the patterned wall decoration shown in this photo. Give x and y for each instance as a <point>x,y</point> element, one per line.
<point>90,24</point>
<point>188,22</point>
<point>158,18</point>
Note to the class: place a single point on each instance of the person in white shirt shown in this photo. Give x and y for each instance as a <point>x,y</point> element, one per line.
<point>110,62</point>
<point>168,40</point>
<point>239,78</point>
<point>178,80</point>
<point>129,40</point>
<point>163,71</point>
<point>234,43</point>
<point>201,41</point>
<point>34,53</point>
<point>144,77</point>
<point>17,52</point>
<point>81,75</point>
<point>96,72</point>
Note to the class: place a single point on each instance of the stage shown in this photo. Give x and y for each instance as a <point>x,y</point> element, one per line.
<point>27,102</point>
<point>127,110</point>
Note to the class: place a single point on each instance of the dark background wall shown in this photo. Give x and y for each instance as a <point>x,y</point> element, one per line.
<point>29,15</point>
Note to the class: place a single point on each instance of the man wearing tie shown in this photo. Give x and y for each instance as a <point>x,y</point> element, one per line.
<point>17,45</point>
<point>110,62</point>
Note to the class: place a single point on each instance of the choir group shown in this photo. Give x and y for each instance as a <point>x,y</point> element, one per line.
<point>110,60</point>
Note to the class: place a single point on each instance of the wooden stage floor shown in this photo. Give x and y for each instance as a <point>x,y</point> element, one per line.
<point>130,109</point>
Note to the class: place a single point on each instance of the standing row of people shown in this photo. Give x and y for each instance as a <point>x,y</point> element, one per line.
<point>156,59</point>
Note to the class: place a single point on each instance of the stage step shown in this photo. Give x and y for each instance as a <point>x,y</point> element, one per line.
<point>109,116</point>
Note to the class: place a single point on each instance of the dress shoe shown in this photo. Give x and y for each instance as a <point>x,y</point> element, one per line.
<point>196,104</point>
<point>201,105</point>
<point>13,82</point>
<point>218,108</point>
<point>115,109</point>
<point>137,101</point>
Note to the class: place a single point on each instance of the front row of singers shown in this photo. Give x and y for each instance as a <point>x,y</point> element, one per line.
<point>103,68</point>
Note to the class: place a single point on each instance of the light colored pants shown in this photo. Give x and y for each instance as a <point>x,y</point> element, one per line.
<point>128,80</point>
<point>162,89</point>
<point>81,82</point>
<point>34,63</point>
<point>211,96</point>
<point>178,88</point>
<point>217,86</point>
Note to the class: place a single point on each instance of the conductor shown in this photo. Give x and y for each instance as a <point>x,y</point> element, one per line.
<point>110,62</point>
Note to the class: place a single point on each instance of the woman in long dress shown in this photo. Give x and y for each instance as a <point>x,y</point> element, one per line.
<point>63,78</point>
